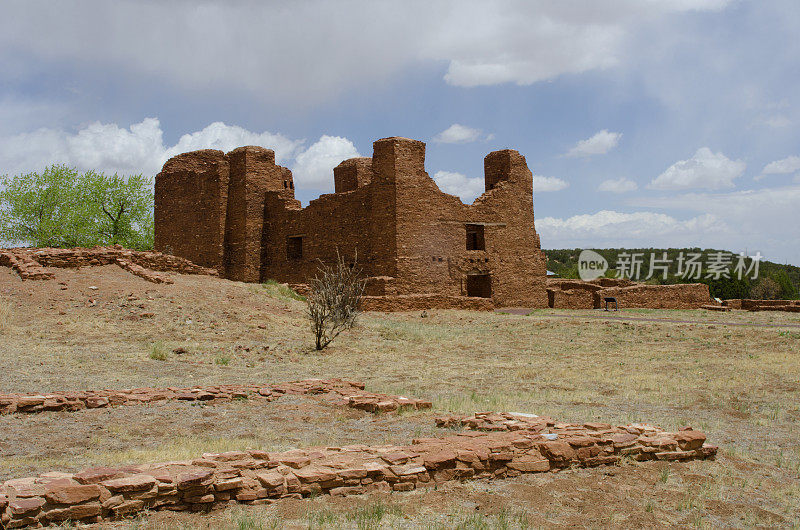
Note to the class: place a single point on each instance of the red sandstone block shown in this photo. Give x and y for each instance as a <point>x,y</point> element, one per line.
<point>225,485</point>
<point>78,512</point>
<point>72,494</point>
<point>127,507</point>
<point>195,478</point>
<point>315,473</point>
<point>25,507</point>
<point>94,475</point>
<point>529,464</point>
<point>440,459</point>
<point>689,439</point>
<point>557,451</point>
<point>138,482</point>
<point>270,479</point>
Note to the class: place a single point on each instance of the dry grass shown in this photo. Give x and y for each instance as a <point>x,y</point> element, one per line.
<point>6,313</point>
<point>739,384</point>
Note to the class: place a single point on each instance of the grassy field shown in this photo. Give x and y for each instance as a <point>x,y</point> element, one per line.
<point>737,383</point>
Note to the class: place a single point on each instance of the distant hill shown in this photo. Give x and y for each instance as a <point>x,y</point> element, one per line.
<point>774,280</point>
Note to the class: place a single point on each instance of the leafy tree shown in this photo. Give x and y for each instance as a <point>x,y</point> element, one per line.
<point>121,209</point>
<point>64,208</point>
<point>788,290</point>
<point>40,209</point>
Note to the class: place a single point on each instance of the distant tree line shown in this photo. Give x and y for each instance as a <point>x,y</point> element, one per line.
<point>774,281</point>
<point>62,207</point>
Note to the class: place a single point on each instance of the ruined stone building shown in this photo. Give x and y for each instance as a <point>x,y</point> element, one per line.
<point>236,212</point>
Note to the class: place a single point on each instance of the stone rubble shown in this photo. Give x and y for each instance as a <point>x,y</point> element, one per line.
<point>336,391</point>
<point>506,445</point>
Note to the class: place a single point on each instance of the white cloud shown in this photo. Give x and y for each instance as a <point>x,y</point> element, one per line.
<point>458,134</point>
<point>113,149</point>
<point>256,45</point>
<point>620,185</point>
<point>468,188</point>
<point>764,219</point>
<point>617,229</point>
<point>599,144</point>
<point>705,169</point>
<point>777,121</point>
<point>541,184</point>
<point>228,137</point>
<point>790,164</point>
<point>314,166</point>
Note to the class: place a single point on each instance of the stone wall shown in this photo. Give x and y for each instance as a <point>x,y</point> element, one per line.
<point>416,302</point>
<point>572,298</point>
<point>496,446</point>
<point>31,264</point>
<point>680,296</point>
<point>409,237</point>
<point>577,294</point>
<point>191,195</point>
<point>791,306</point>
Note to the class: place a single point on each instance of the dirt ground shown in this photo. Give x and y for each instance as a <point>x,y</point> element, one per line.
<point>104,328</point>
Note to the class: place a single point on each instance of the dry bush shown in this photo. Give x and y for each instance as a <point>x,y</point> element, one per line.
<point>6,312</point>
<point>766,289</point>
<point>334,299</point>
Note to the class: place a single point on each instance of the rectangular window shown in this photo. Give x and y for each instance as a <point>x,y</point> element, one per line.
<point>294,248</point>
<point>475,238</point>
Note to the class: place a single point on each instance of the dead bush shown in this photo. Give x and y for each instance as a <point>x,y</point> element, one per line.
<point>334,299</point>
<point>766,289</point>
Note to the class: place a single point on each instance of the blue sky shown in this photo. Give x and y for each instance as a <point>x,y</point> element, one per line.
<point>645,122</point>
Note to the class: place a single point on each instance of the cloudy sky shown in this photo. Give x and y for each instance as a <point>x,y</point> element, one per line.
<point>645,122</point>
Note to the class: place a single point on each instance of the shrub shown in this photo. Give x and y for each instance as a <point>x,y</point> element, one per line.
<point>334,299</point>
<point>766,289</point>
<point>158,352</point>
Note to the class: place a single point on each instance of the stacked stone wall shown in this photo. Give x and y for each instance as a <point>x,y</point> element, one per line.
<point>31,264</point>
<point>495,446</point>
<point>679,296</point>
<point>190,207</point>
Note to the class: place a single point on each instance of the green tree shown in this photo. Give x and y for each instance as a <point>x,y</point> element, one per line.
<point>40,209</point>
<point>121,209</point>
<point>62,207</point>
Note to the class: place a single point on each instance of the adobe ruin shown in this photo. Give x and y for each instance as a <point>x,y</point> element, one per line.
<point>418,246</point>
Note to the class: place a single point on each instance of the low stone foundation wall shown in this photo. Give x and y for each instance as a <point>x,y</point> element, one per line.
<point>213,480</point>
<point>31,264</point>
<point>338,391</point>
<point>791,306</point>
<point>679,296</point>
<point>577,294</point>
<point>24,265</point>
<point>572,299</point>
<point>424,301</point>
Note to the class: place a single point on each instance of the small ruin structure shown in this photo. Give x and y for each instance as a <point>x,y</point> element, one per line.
<point>419,247</point>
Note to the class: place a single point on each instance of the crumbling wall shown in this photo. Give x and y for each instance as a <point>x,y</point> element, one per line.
<point>432,251</point>
<point>330,224</point>
<point>410,238</point>
<point>679,296</point>
<point>572,299</point>
<point>791,306</point>
<point>191,194</point>
<point>31,264</point>
<point>253,173</point>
